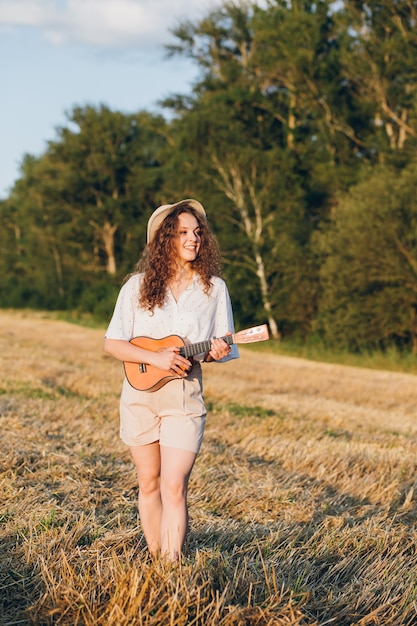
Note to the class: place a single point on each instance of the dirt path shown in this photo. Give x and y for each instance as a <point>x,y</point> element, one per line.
<point>331,393</point>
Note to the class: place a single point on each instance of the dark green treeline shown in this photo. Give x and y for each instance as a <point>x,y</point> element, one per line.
<point>300,138</point>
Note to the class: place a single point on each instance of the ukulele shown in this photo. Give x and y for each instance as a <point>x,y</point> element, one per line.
<point>145,377</point>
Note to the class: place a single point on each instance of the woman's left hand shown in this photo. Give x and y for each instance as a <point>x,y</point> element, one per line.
<point>219,349</point>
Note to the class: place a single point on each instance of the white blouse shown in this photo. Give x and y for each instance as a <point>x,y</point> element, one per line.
<point>195,317</point>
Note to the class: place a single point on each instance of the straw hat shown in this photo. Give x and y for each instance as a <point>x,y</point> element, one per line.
<point>161,213</point>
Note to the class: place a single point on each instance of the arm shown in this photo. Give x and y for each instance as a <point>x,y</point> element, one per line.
<point>222,326</point>
<point>120,330</point>
<point>167,359</point>
<point>219,350</point>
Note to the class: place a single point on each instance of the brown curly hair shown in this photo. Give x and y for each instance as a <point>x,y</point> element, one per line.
<point>158,260</point>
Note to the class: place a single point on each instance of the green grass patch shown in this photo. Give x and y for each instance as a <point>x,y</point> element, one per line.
<point>391,360</point>
<point>38,393</point>
<point>240,410</point>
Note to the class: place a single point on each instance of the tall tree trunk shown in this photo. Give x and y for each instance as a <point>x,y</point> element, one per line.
<point>232,185</point>
<point>260,271</point>
<point>58,268</point>
<point>106,234</point>
<point>291,121</point>
<point>108,241</point>
<point>413,329</point>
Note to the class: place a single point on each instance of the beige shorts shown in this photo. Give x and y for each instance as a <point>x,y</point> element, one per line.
<point>174,415</point>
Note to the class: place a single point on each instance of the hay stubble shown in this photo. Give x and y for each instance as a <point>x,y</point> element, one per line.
<point>302,502</point>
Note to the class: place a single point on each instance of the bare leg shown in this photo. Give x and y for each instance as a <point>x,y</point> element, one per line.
<point>148,466</point>
<point>176,466</point>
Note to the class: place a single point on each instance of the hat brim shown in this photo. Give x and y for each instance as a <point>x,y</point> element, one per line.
<point>163,211</point>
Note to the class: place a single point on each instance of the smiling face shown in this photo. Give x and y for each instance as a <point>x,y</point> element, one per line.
<point>188,238</point>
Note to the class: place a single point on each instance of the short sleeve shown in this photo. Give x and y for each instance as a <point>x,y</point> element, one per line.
<point>224,319</point>
<point>122,322</point>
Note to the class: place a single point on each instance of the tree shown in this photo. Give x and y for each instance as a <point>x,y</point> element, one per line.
<point>112,167</point>
<point>369,274</point>
<point>234,131</point>
<point>80,209</point>
<point>380,64</point>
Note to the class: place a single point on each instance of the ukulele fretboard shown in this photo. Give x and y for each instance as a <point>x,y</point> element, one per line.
<point>202,346</point>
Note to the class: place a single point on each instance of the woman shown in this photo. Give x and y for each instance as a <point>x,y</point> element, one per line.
<point>176,289</point>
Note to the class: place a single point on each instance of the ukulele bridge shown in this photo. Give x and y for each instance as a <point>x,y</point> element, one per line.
<point>142,368</point>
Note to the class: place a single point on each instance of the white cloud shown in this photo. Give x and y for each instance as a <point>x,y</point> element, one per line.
<point>103,23</point>
<point>25,12</point>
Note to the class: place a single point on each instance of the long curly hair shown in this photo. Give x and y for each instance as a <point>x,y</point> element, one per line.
<point>158,262</point>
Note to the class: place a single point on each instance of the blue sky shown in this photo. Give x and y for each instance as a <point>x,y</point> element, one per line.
<point>55,54</point>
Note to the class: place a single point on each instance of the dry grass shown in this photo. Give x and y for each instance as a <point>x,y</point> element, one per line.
<point>302,501</point>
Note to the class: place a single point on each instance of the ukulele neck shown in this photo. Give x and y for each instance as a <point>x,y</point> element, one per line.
<point>202,346</point>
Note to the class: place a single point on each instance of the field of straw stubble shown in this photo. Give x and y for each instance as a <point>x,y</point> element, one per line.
<point>302,501</point>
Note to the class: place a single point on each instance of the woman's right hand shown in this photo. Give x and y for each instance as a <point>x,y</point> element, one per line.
<point>167,359</point>
<point>170,360</point>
